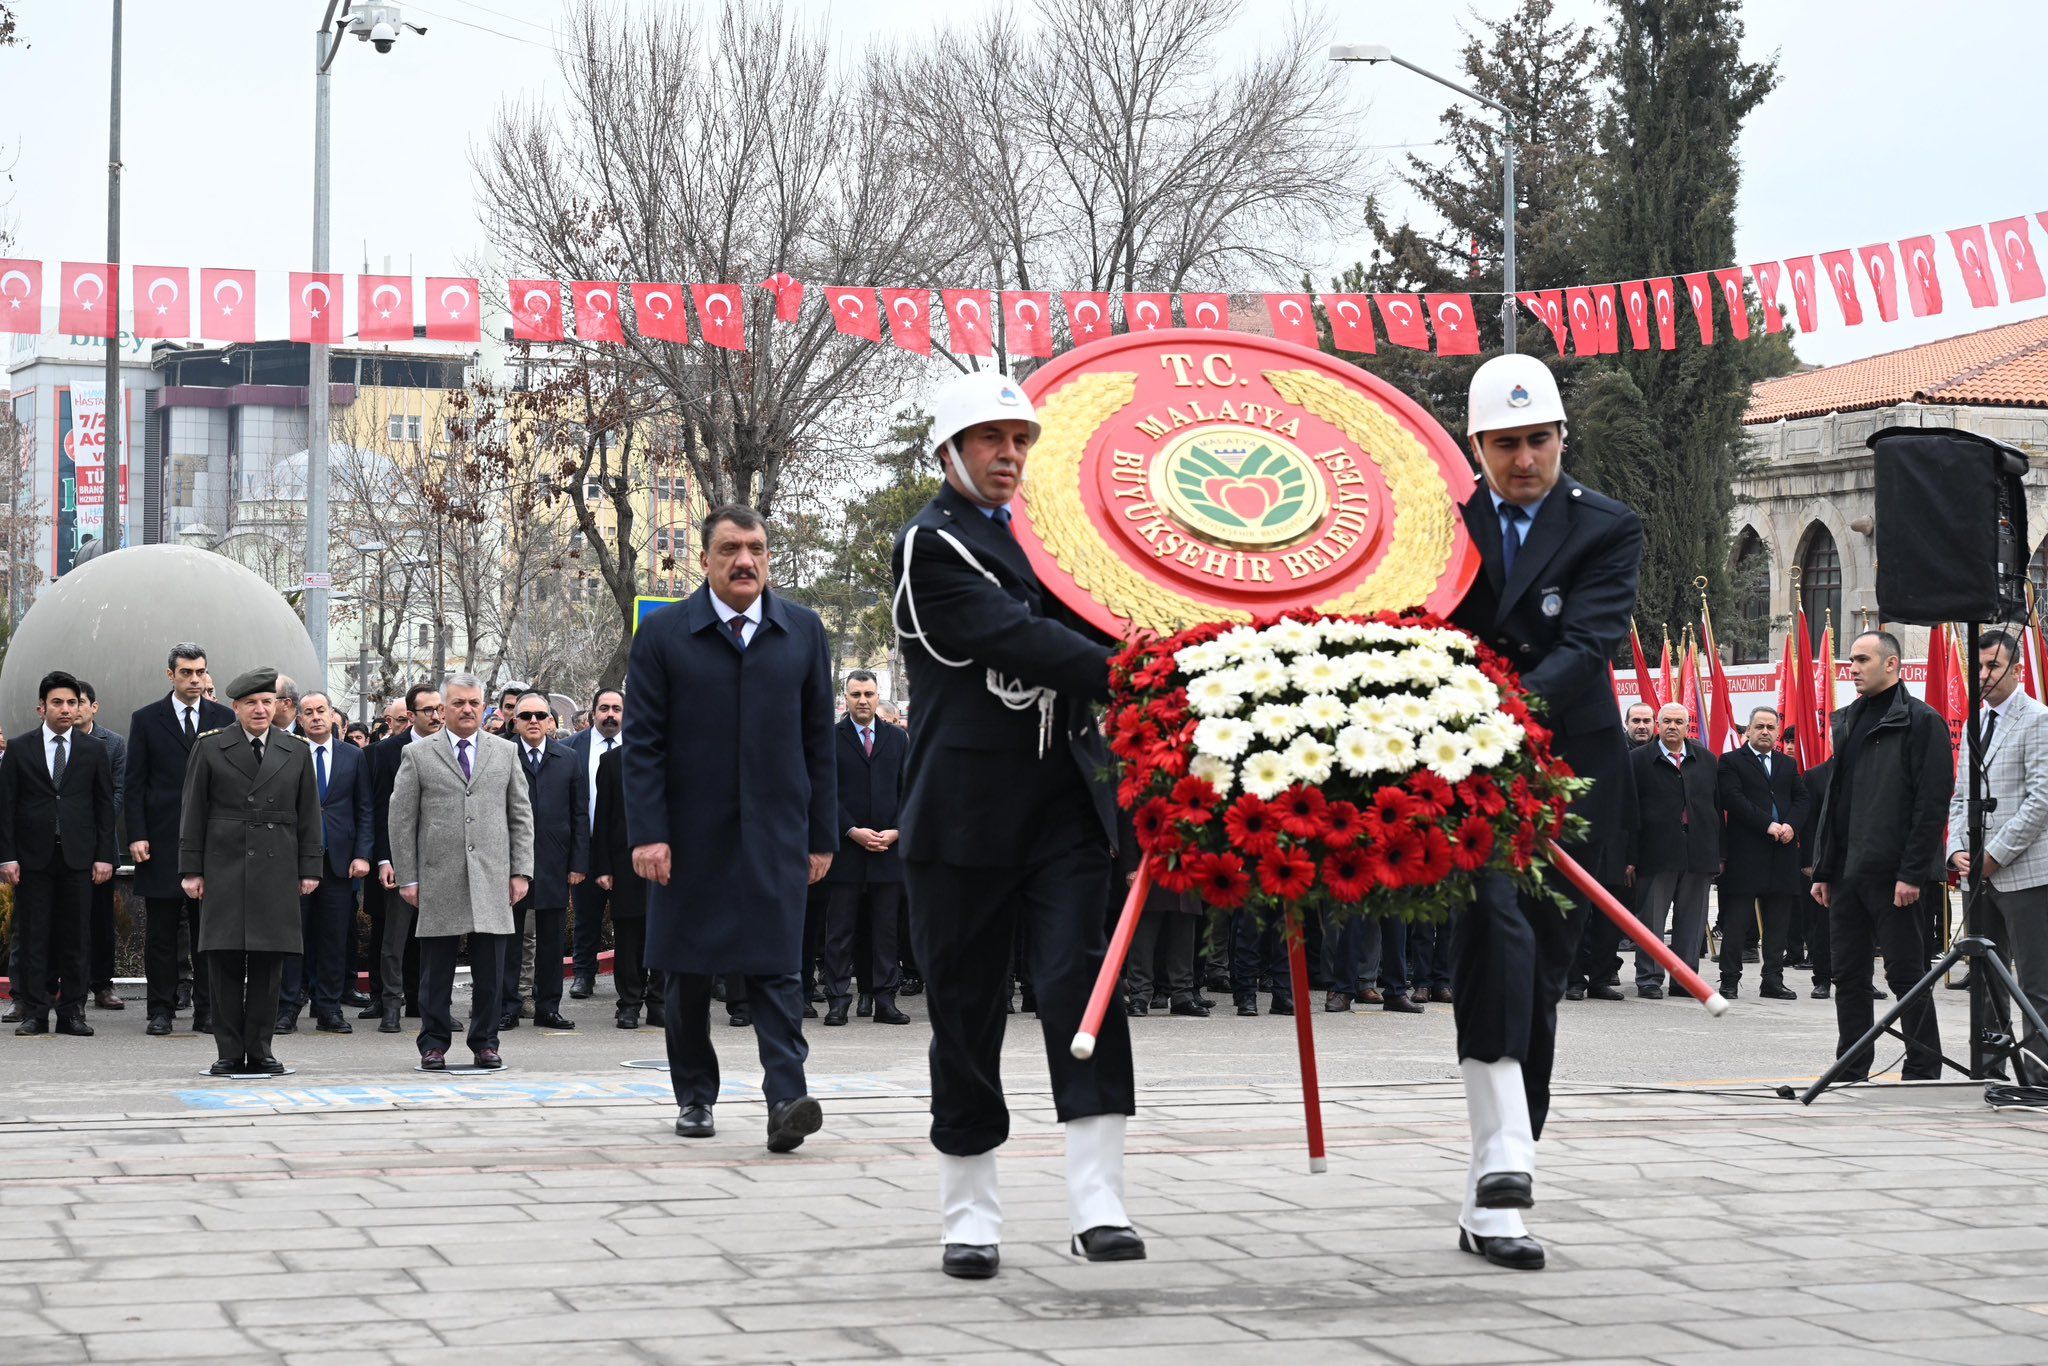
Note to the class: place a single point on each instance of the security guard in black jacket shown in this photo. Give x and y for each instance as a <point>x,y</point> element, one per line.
<point>1005,819</point>
<point>1554,593</point>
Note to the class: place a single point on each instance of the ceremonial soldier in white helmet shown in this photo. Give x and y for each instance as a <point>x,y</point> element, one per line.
<point>1555,591</point>
<point>1005,819</point>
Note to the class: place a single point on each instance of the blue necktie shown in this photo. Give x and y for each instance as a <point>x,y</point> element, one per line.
<point>1767,786</point>
<point>1512,515</point>
<point>320,770</point>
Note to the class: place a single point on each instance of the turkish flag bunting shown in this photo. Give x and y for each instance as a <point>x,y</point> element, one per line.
<point>1457,331</point>
<point>788,293</point>
<point>1401,315</point>
<point>1087,317</point>
<point>1147,312</point>
<point>1730,281</point>
<point>910,318</point>
<point>1547,307</point>
<point>1350,318</point>
<point>1883,270</point>
<point>453,312</point>
<point>315,306</point>
<point>659,315</point>
<point>1923,284</point>
<point>1292,321</point>
<point>1585,326</point>
<point>1664,307</point>
<point>1209,312</point>
<point>853,311</point>
<point>227,303</point>
<point>597,312</point>
<point>1027,322</point>
<point>1700,290</point>
<point>1974,257</point>
<point>88,299</point>
<point>722,315</point>
<point>1842,275</point>
<point>536,310</point>
<point>383,307</point>
<point>163,301</point>
<point>1767,274</point>
<point>1804,302</point>
<point>1605,321</point>
<point>2016,257</point>
<point>21,296</point>
<point>967,329</point>
<point>1635,306</point>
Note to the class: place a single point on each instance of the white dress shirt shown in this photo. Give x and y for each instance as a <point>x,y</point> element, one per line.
<point>726,614</point>
<point>598,748</point>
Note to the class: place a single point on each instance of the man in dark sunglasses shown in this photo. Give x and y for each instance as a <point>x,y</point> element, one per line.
<point>558,787</point>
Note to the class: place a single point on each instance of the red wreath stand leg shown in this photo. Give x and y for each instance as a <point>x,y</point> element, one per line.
<point>1305,1042</point>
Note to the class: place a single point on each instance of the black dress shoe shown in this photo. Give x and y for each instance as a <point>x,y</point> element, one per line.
<point>74,1025</point>
<point>1204,1002</point>
<point>285,1024</point>
<point>553,1021</point>
<point>810,1011</point>
<point>970,1261</point>
<point>1731,990</point>
<point>1282,1005</point>
<point>1247,1005</point>
<point>1820,991</point>
<point>1161,1001</point>
<point>1505,1190</point>
<point>1137,1006</point>
<point>1442,996</point>
<point>695,1122</point>
<point>1777,991</point>
<point>1109,1243</point>
<point>32,1024</point>
<point>835,1014</point>
<point>793,1121</point>
<point>1191,1005</point>
<point>1651,992</point>
<point>355,998</point>
<point>584,987</point>
<point>866,1008</point>
<point>1598,991</point>
<point>105,999</point>
<point>509,1020</point>
<point>739,1019</point>
<point>1402,1005</point>
<point>887,1013</point>
<point>912,986</point>
<point>627,1018</point>
<point>1877,994</point>
<point>390,1024</point>
<point>1575,993</point>
<point>227,1067</point>
<point>334,1024</point>
<point>269,1066</point>
<point>373,1011</point>
<point>158,1024</point>
<point>1517,1254</point>
<point>184,995</point>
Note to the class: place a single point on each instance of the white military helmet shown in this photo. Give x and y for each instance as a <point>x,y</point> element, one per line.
<point>1511,391</point>
<point>979,396</point>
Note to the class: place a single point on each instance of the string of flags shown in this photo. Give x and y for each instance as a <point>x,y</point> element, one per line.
<point>1586,320</point>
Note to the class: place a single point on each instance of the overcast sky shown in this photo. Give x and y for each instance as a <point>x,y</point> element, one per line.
<point>1891,119</point>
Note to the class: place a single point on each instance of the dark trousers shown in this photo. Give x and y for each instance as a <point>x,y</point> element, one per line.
<point>100,967</point>
<point>1258,951</point>
<point>52,908</point>
<point>629,963</point>
<point>1598,956</point>
<point>1820,945</point>
<point>851,907</point>
<point>550,928</point>
<point>1162,947</point>
<point>817,902</point>
<point>963,922</point>
<point>777,1003</point>
<point>399,944</point>
<point>1393,935</point>
<point>486,986</point>
<point>1509,958</point>
<point>590,902</point>
<point>244,1001</point>
<point>1343,952</point>
<point>163,917</point>
<point>371,954</point>
<point>1861,921</point>
<point>324,921</point>
<point>1740,916</point>
<point>1429,956</point>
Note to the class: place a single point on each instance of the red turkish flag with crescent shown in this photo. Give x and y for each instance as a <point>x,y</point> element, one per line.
<point>1292,319</point>
<point>1767,274</point>
<point>21,296</point>
<point>1804,301</point>
<point>1027,322</point>
<point>1087,317</point>
<point>1457,331</point>
<point>1923,283</point>
<point>454,311</point>
<point>1605,321</point>
<point>1973,256</point>
<point>1841,274</point>
<point>1729,280</point>
<point>227,305</point>
<point>1207,312</point>
<point>1147,312</point>
<point>536,310</point>
<point>88,297</point>
<point>967,324</point>
<point>788,293</point>
<point>2016,258</point>
<point>315,306</point>
<point>910,318</point>
<point>1350,318</point>
<point>597,312</point>
<point>1585,325</point>
<point>163,301</point>
<point>1699,291</point>
<point>1664,308</point>
<point>658,313</point>
<point>1401,315</point>
<point>721,315</point>
<point>1635,306</point>
<point>1883,272</point>
<point>853,312</point>
<point>1547,307</point>
<point>383,307</point>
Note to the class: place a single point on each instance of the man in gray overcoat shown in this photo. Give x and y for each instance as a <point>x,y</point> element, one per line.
<point>462,853</point>
<point>248,849</point>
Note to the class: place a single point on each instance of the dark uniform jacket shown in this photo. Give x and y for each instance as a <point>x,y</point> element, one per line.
<point>34,811</point>
<point>561,821</point>
<point>870,798</point>
<point>384,757</point>
<point>153,785</point>
<point>611,852</point>
<point>1756,864</point>
<point>252,834</point>
<point>1886,811</point>
<point>1678,812</point>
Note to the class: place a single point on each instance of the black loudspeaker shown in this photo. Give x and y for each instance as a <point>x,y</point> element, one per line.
<point>1951,526</point>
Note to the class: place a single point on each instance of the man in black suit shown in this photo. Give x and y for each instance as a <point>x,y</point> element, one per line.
<point>1596,964</point>
<point>611,867</point>
<point>1675,851</point>
<point>1006,823</point>
<point>160,737</point>
<point>398,949</point>
<point>587,900</point>
<point>1554,594</point>
<point>559,790</point>
<point>865,883</point>
<point>1765,801</point>
<point>341,776</point>
<point>56,845</point>
<point>101,951</point>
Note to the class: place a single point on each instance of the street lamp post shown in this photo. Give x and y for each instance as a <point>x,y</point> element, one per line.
<point>111,503</point>
<point>365,550</point>
<point>1375,52</point>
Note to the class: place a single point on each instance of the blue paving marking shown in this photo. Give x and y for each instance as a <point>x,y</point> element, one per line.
<point>533,1091</point>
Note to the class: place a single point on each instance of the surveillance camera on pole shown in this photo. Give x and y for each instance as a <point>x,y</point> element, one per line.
<point>379,26</point>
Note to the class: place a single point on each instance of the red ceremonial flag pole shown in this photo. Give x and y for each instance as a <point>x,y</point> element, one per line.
<point>1083,1046</point>
<point>1810,741</point>
<point>1305,1044</point>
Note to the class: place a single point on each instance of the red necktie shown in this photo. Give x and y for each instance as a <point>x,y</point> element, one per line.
<point>867,742</point>
<point>739,631</point>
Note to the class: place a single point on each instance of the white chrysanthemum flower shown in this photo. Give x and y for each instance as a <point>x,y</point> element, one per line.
<point>1268,773</point>
<point>1322,711</point>
<point>1215,771</point>
<point>1196,659</point>
<point>1396,751</point>
<point>1411,712</point>
<point>1339,632</point>
<point>1213,695</point>
<point>1445,752</point>
<point>1371,713</point>
<point>1376,668</point>
<point>1358,751</point>
<point>1275,721</point>
<point>1262,676</point>
<point>1312,758</point>
<point>1430,663</point>
<point>1316,673</point>
<point>1492,739</point>
<point>1240,642</point>
<point>1223,737</point>
<point>1292,637</point>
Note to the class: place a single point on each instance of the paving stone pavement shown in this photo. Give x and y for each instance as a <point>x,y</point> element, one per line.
<point>1685,1226</point>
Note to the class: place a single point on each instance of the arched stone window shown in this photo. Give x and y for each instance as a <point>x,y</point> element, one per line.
<point>1820,583</point>
<point>1750,571</point>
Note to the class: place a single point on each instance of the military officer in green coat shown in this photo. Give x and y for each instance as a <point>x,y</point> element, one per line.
<point>248,849</point>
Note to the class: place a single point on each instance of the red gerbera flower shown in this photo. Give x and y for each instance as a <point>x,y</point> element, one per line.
<point>1436,857</point>
<point>1482,794</point>
<point>1527,803</point>
<point>1391,807</point>
<point>1169,878</point>
<point>1154,820</point>
<point>1287,874</point>
<point>1252,826</point>
<point>1132,786</point>
<point>1398,856</point>
<point>1472,844</point>
<point>1221,880</point>
<point>1197,799</point>
<point>1343,823</point>
<point>1348,875</point>
<point>1301,811</point>
<point>1524,849</point>
<point>1432,794</point>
